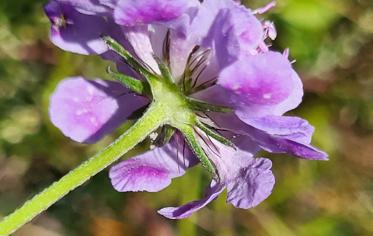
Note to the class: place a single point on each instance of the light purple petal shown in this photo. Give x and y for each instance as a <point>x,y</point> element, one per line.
<point>139,38</point>
<point>191,207</point>
<point>277,144</point>
<point>245,33</point>
<point>153,170</point>
<point>264,84</point>
<point>253,184</point>
<point>72,31</point>
<point>263,79</point>
<point>282,134</point>
<point>293,144</point>
<point>228,22</point>
<point>230,30</point>
<point>86,110</point>
<point>92,7</point>
<point>147,38</point>
<point>291,127</point>
<point>133,13</point>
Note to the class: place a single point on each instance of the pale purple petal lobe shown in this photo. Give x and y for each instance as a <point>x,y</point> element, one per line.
<point>72,31</point>
<point>92,7</point>
<point>153,170</point>
<point>191,207</point>
<point>230,30</point>
<point>86,110</point>
<point>292,140</point>
<point>139,174</point>
<point>261,85</point>
<point>252,185</point>
<point>132,13</point>
<point>291,127</point>
<point>264,79</point>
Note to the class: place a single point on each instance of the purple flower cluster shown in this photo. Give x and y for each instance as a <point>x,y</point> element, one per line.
<point>217,52</point>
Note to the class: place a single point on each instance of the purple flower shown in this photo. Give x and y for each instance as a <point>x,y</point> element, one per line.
<point>216,53</point>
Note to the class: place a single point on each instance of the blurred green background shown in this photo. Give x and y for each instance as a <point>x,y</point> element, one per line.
<point>333,45</point>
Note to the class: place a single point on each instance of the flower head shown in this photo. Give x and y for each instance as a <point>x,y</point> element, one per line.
<point>213,55</point>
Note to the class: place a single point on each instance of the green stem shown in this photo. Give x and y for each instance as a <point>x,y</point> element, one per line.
<point>151,120</point>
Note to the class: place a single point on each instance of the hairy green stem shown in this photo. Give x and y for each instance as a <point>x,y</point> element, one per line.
<point>151,120</point>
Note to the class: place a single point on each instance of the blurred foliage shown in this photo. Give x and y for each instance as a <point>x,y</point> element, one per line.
<point>333,45</point>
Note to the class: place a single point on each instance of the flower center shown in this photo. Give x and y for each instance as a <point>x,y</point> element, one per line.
<point>61,21</point>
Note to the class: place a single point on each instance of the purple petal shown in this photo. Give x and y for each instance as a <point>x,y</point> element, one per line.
<point>139,38</point>
<point>246,31</point>
<point>282,134</point>
<point>263,79</point>
<point>191,207</point>
<point>228,22</point>
<point>277,144</point>
<point>253,184</point>
<point>229,30</point>
<point>133,13</point>
<point>293,128</point>
<point>260,85</point>
<point>153,170</point>
<point>72,30</point>
<point>86,110</point>
<point>266,138</point>
<point>92,7</point>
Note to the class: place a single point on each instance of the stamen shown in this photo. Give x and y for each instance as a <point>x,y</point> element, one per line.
<point>165,135</point>
<point>166,48</point>
<point>196,64</point>
<point>198,76</point>
<point>177,155</point>
<point>207,107</point>
<point>211,133</point>
<point>190,136</point>
<point>217,126</point>
<point>184,146</point>
<point>205,85</point>
<point>203,138</point>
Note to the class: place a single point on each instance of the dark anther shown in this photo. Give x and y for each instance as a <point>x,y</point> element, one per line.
<point>166,48</point>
